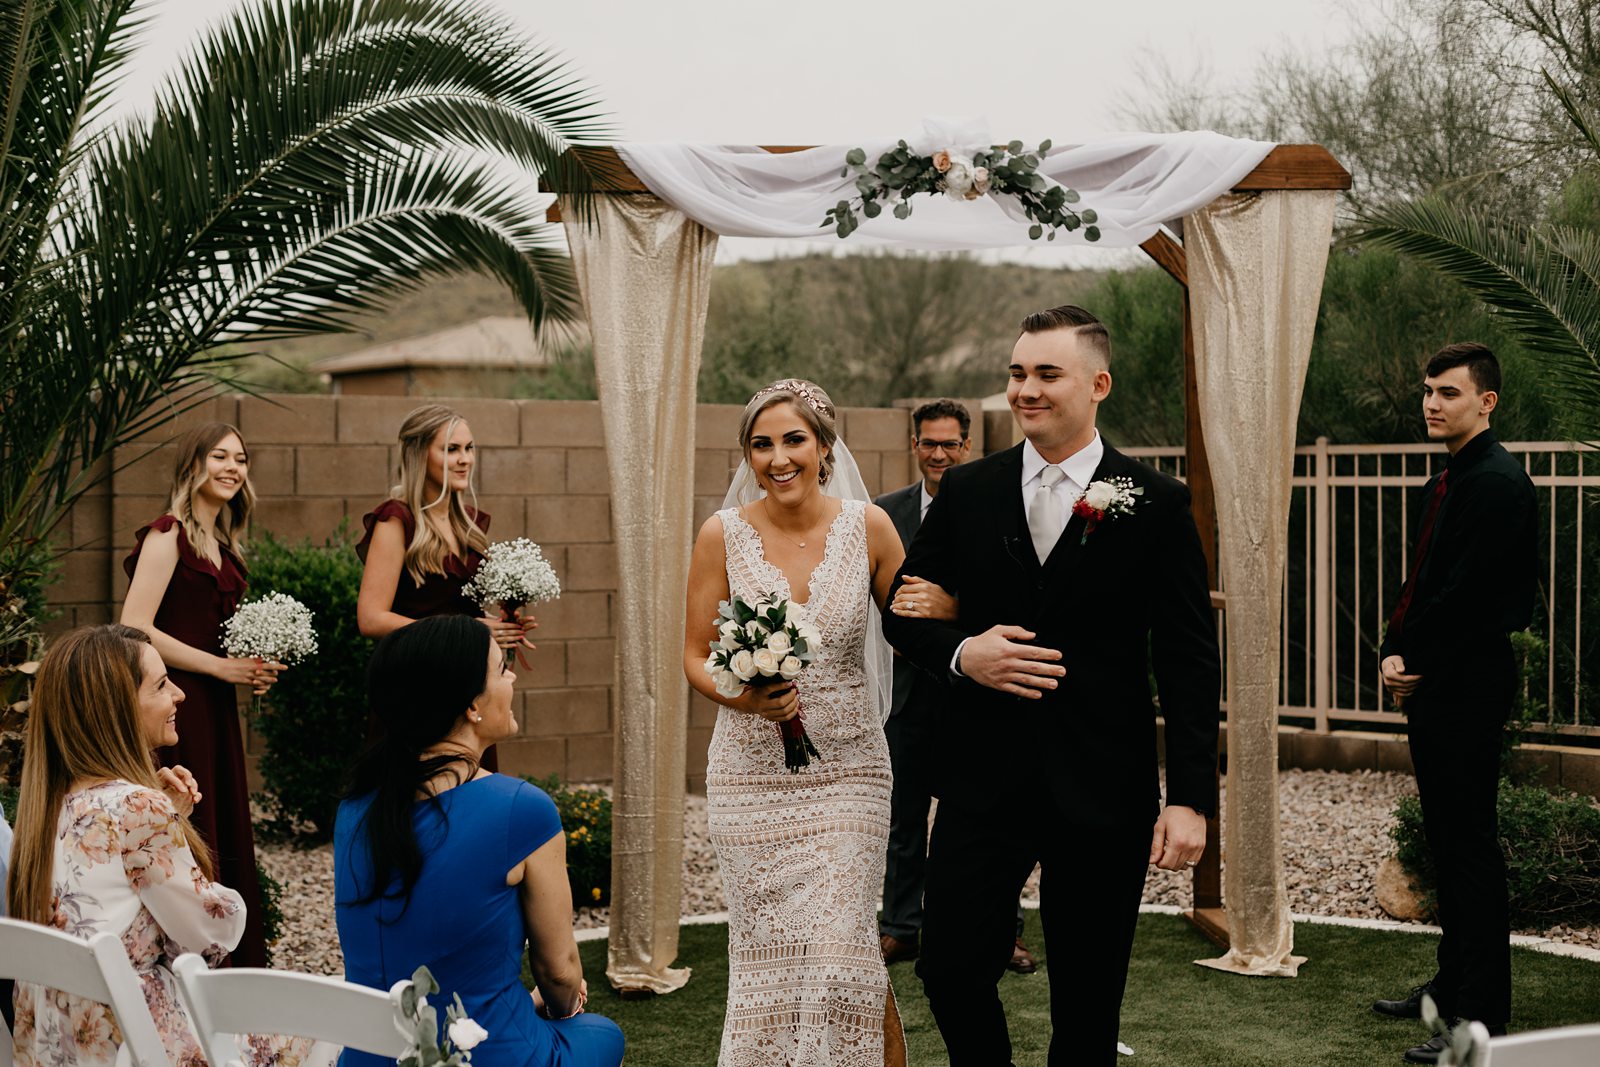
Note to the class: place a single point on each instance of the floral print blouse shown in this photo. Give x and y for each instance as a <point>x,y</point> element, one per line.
<point>121,864</point>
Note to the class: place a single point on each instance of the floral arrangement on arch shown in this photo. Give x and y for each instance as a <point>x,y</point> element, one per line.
<point>1010,170</point>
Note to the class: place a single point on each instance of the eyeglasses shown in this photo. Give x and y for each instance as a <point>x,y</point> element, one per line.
<point>924,445</point>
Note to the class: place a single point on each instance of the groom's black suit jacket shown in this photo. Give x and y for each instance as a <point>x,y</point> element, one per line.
<point>1130,600</point>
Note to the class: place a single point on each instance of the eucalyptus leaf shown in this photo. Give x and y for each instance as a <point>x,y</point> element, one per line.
<point>902,210</point>
<point>1044,146</point>
<point>1092,233</point>
<point>855,157</point>
<point>1072,196</point>
<point>1035,232</point>
<point>872,210</point>
<point>1089,214</point>
<point>1015,148</point>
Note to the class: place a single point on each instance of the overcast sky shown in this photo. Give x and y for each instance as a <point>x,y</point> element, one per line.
<point>828,71</point>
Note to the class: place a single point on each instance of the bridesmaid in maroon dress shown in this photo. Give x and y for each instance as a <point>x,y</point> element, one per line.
<point>187,575</point>
<point>414,569</point>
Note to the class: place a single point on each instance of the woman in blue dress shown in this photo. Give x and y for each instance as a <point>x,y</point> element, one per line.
<point>442,863</point>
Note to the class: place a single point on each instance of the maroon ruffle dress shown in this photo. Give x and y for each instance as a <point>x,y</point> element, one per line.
<point>439,594</point>
<point>200,597</point>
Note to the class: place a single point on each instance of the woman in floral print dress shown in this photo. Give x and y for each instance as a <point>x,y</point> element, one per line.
<point>104,843</point>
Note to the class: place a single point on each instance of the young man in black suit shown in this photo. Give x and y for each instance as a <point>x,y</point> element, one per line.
<point>941,437</point>
<point>1063,612</point>
<point>1448,663</point>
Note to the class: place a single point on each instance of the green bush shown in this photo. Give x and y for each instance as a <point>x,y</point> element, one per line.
<point>586,817</point>
<point>313,720</point>
<point>8,802</point>
<point>271,910</point>
<point>1552,848</point>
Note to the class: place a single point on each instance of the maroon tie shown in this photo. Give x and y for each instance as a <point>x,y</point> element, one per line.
<point>1423,539</point>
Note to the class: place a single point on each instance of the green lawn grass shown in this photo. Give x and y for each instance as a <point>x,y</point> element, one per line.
<point>1174,1015</point>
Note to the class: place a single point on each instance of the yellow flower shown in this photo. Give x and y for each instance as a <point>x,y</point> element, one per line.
<point>595,892</point>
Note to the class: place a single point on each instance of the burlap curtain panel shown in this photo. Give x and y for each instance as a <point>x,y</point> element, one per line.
<point>1255,266</point>
<point>645,274</point>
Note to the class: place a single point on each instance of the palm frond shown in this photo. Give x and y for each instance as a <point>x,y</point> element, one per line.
<point>1543,285</point>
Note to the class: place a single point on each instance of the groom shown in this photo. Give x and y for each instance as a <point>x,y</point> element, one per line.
<point>1064,615</point>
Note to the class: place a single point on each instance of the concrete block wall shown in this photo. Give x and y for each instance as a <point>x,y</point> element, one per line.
<point>317,461</point>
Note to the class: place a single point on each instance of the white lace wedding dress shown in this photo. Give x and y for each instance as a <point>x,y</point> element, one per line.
<point>802,854</point>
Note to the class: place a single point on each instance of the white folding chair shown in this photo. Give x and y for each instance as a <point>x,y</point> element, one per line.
<point>1567,1046</point>
<point>251,1000</point>
<point>96,969</point>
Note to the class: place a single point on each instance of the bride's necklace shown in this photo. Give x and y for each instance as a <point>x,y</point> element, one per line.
<point>810,530</point>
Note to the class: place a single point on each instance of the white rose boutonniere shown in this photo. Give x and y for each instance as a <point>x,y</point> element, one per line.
<point>1105,499</point>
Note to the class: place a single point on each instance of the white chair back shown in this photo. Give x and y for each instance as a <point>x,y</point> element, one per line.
<point>1568,1046</point>
<point>96,969</point>
<point>250,1000</point>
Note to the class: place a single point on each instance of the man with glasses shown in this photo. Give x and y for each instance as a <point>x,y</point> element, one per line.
<point>940,439</point>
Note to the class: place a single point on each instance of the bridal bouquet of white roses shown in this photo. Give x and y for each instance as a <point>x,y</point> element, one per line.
<point>513,573</point>
<point>419,1022</point>
<point>276,628</point>
<point>763,642</point>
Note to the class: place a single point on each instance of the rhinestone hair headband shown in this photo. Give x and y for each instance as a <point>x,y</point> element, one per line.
<point>801,390</point>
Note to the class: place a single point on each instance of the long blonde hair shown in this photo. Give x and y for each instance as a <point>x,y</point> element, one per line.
<point>83,723</point>
<point>427,551</point>
<point>189,474</point>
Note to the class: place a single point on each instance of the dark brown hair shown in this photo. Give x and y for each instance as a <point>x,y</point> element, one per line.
<point>943,408</point>
<point>1080,321</point>
<point>1479,361</point>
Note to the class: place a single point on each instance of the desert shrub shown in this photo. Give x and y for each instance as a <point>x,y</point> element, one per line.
<point>1551,843</point>
<point>271,908</point>
<point>586,817</point>
<point>313,721</point>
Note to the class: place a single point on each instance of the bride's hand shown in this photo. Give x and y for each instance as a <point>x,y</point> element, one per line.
<point>775,701</point>
<point>918,598</point>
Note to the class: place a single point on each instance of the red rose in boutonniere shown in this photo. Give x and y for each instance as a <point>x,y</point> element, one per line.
<point>1106,499</point>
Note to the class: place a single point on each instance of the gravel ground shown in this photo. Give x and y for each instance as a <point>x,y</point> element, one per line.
<point>1335,833</point>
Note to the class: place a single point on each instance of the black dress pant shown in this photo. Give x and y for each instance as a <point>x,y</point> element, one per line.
<point>912,753</point>
<point>1091,883</point>
<point>1455,749</point>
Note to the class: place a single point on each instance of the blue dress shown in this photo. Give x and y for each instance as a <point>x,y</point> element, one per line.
<point>464,922</point>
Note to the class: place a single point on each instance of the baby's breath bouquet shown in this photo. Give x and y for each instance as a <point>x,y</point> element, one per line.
<point>277,628</point>
<point>767,640</point>
<point>512,574</point>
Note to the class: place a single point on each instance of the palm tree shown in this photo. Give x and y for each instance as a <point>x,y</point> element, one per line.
<point>1543,280</point>
<point>310,160</point>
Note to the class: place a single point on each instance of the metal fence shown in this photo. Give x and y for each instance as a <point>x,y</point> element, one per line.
<point>1349,552</point>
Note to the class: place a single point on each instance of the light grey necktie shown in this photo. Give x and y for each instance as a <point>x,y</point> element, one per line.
<point>1046,517</point>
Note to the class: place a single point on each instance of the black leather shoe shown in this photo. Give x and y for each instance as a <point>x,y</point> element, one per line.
<point>1410,1007</point>
<point>1429,1051</point>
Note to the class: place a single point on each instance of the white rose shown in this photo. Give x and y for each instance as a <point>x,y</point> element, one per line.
<point>790,667</point>
<point>712,666</point>
<point>958,179</point>
<point>767,661</point>
<point>730,629</point>
<point>980,180</point>
<point>1099,495</point>
<point>809,635</point>
<point>727,684</point>
<point>756,632</point>
<point>779,643</point>
<point>743,665</point>
<point>466,1034</point>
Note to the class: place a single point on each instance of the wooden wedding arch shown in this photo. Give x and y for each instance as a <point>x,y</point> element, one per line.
<point>644,940</point>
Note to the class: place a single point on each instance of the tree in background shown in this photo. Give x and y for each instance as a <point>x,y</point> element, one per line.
<point>309,160</point>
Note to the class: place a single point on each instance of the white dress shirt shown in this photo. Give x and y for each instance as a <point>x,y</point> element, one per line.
<point>922,487</point>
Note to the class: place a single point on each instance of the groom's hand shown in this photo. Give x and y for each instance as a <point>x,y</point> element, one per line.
<point>1179,838</point>
<point>995,659</point>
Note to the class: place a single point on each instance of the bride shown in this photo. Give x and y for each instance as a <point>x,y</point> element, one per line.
<point>802,854</point>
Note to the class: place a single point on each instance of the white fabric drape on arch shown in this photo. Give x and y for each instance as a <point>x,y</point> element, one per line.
<point>646,279</point>
<point>1255,266</point>
<point>1136,182</point>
